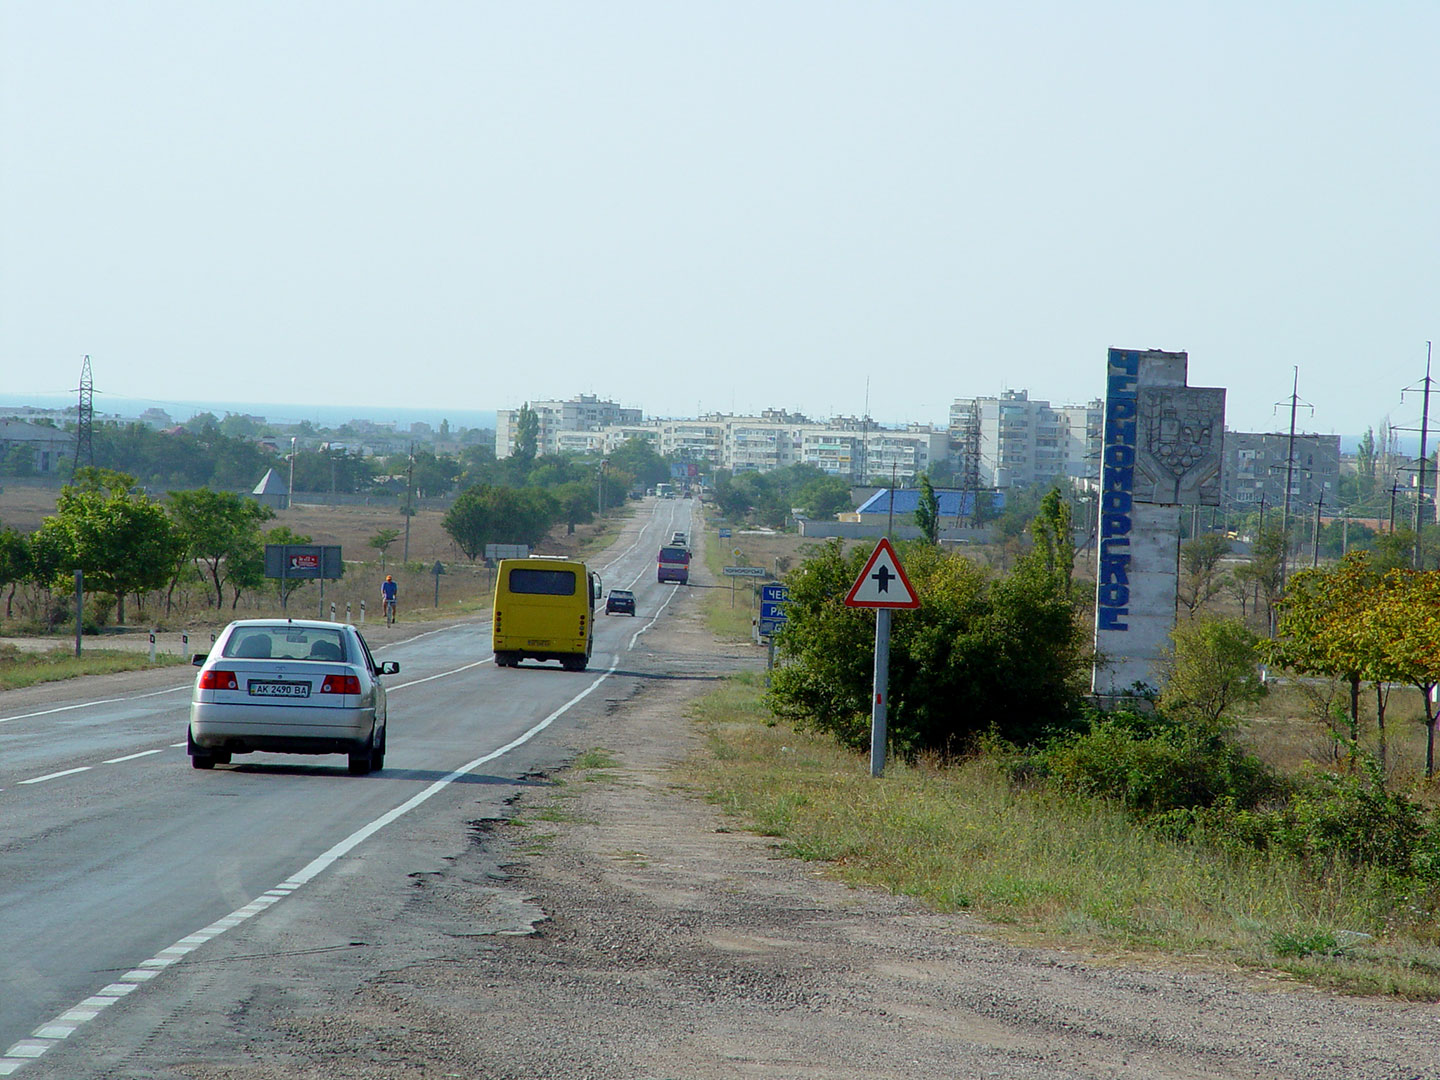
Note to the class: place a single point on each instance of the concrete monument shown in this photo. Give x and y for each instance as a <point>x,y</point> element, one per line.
<point>1162,452</point>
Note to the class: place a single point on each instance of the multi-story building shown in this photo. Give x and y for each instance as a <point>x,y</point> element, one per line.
<point>856,449</point>
<point>1256,465</point>
<point>699,441</point>
<point>1012,441</point>
<point>584,412</point>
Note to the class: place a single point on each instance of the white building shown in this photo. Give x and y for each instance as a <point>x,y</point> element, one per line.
<point>1022,442</point>
<point>584,412</point>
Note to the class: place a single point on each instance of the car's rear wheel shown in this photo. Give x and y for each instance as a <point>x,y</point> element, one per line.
<point>377,756</point>
<point>198,758</point>
<point>363,760</point>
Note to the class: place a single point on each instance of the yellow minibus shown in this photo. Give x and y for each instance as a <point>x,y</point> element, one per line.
<point>544,610</point>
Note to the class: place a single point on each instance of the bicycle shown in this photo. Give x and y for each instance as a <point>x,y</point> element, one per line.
<point>389,612</point>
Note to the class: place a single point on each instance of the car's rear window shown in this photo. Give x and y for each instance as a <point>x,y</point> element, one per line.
<point>542,582</point>
<point>285,643</point>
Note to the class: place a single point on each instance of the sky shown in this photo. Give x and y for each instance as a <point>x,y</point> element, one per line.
<point>817,205</point>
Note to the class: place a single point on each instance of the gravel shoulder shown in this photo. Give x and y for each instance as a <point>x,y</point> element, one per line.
<point>639,933</point>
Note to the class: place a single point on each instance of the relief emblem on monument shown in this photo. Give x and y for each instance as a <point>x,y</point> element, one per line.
<point>1179,435</point>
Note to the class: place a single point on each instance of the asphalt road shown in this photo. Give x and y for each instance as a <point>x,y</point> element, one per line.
<point>117,859</point>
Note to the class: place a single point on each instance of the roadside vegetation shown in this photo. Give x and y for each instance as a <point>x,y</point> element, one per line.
<point>1219,819</point>
<point>20,669</point>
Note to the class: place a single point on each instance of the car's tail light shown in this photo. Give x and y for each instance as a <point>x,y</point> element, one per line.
<point>340,684</point>
<point>215,679</point>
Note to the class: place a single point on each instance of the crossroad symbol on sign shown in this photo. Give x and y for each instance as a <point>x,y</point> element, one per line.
<point>882,584</point>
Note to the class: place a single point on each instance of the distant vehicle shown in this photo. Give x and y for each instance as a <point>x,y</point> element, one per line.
<point>679,539</point>
<point>665,491</point>
<point>620,602</point>
<point>674,564</point>
<point>544,609</point>
<point>291,687</point>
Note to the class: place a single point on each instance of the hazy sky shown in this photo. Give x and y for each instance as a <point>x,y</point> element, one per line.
<point>720,206</point>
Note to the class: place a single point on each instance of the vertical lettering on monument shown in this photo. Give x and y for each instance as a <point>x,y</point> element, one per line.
<point>1117,479</point>
<point>1162,450</point>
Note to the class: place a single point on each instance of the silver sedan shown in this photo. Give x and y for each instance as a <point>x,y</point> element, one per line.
<point>292,686</point>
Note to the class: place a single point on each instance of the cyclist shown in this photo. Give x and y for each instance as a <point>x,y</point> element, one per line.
<point>388,590</point>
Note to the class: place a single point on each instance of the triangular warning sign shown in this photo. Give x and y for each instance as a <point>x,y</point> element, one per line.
<point>882,584</point>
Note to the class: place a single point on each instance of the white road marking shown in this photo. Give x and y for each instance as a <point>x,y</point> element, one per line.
<point>55,775</point>
<point>51,1034</point>
<point>132,757</point>
<point>87,704</point>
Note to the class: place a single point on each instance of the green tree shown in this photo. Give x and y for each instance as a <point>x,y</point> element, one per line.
<point>1053,537</point>
<point>381,542</point>
<point>825,496</point>
<point>219,529</point>
<point>576,502</point>
<point>1366,457</point>
<point>1200,578</point>
<point>14,564</point>
<point>50,560</point>
<point>1213,667</point>
<point>1326,627</point>
<point>927,512</point>
<point>980,653</point>
<point>527,436</point>
<point>1407,616</point>
<point>639,458</point>
<point>1262,572</point>
<point>123,542</point>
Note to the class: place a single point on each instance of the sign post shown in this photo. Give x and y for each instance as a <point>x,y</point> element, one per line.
<point>882,585</point>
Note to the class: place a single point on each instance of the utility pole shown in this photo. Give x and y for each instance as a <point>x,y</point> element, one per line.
<point>1295,402</point>
<point>409,502</point>
<point>1315,540</point>
<point>1424,388</point>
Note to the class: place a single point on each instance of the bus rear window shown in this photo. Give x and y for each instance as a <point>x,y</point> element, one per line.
<point>674,554</point>
<point>542,582</point>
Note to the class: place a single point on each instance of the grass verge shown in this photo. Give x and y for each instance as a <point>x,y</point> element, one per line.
<point>1059,870</point>
<point>19,669</point>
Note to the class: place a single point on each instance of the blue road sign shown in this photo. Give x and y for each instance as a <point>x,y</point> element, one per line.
<point>774,594</point>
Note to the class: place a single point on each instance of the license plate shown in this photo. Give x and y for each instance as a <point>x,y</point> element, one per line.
<point>279,689</point>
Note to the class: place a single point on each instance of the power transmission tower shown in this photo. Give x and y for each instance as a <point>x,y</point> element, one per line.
<point>970,462</point>
<point>85,425</point>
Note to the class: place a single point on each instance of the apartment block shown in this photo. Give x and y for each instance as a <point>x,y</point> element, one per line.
<point>1256,465</point>
<point>582,413</point>
<point>1013,441</point>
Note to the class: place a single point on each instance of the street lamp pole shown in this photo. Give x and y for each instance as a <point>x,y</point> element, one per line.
<point>290,495</point>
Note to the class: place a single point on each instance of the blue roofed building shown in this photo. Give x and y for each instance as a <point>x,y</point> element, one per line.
<point>953,504</point>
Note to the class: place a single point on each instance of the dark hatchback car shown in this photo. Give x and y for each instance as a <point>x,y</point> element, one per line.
<point>620,602</point>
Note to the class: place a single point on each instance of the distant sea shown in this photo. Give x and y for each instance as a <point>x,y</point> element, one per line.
<point>328,416</point>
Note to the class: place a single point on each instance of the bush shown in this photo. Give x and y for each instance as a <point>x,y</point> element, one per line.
<point>1327,821</point>
<point>980,654</point>
<point>1151,766</point>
